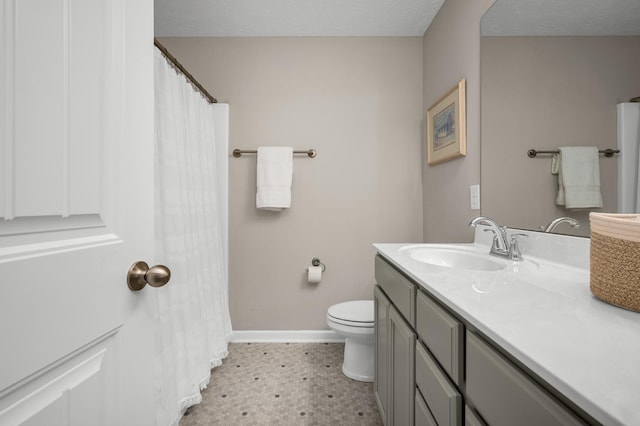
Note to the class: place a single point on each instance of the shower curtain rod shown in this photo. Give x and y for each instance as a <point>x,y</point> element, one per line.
<point>184,72</point>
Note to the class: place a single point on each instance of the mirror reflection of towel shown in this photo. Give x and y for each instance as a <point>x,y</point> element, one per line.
<point>578,170</point>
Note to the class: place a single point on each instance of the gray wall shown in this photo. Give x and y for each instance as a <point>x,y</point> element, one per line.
<point>545,92</point>
<point>451,53</point>
<point>361,102</point>
<point>358,102</point>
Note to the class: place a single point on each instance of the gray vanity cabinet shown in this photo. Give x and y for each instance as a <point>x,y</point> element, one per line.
<point>394,341</point>
<point>432,368</point>
<point>410,386</point>
<point>394,383</point>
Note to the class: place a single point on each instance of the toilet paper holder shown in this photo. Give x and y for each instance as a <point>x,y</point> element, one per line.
<point>316,262</point>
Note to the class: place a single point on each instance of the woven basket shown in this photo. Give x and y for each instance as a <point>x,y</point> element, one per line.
<point>615,259</point>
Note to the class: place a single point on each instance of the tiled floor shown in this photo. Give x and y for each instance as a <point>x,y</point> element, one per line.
<point>284,384</point>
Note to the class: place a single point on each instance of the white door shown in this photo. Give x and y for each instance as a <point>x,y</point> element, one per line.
<point>76,210</point>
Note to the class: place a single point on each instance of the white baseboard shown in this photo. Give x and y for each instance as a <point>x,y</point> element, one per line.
<point>285,336</point>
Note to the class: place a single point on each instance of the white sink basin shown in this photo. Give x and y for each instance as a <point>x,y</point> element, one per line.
<point>453,257</point>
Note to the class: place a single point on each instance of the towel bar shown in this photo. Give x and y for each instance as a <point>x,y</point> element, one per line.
<point>607,152</point>
<point>312,153</point>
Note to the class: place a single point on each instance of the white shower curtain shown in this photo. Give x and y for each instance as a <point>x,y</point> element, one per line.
<point>629,158</point>
<point>193,308</point>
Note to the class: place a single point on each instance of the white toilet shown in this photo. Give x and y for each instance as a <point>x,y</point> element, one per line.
<point>354,321</point>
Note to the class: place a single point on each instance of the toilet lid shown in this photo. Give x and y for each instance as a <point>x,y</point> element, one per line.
<point>354,311</point>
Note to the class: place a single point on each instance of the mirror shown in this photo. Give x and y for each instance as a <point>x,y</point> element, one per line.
<point>552,74</point>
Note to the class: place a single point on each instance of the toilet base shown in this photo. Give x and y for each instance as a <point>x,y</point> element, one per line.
<point>358,361</point>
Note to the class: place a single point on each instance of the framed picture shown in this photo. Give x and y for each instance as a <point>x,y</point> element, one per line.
<point>447,126</point>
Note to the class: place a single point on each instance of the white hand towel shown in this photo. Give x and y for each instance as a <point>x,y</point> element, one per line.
<point>578,170</point>
<point>274,177</point>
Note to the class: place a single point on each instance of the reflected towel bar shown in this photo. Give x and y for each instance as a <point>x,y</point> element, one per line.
<point>238,152</point>
<point>607,152</point>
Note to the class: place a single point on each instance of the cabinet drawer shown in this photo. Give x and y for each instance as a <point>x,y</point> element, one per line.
<point>442,334</point>
<point>423,415</point>
<point>471,418</point>
<point>503,395</point>
<point>441,396</point>
<point>399,289</point>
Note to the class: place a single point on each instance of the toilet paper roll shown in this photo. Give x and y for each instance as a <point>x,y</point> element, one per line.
<point>315,274</point>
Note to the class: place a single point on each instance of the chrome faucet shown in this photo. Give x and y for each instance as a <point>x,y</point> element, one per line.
<point>557,221</point>
<point>501,246</point>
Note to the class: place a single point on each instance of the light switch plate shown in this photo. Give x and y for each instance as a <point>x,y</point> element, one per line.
<point>474,197</point>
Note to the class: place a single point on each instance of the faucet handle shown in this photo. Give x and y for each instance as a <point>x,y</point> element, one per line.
<point>514,249</point>
<point>495,245</point>
<point>514,237</point>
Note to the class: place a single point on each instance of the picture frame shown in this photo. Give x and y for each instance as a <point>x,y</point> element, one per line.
<point>447,126</point>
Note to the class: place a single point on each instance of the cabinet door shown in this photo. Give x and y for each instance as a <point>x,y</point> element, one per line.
<point>503,395</point>
<point>381,378</point>
<point>402,343</point>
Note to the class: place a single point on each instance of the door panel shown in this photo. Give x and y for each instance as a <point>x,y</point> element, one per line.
<point>76,210</point>
<point>55,126</point>
<point>56,393</point>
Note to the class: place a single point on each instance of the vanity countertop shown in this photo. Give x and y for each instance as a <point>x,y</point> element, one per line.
<point>547,319</point>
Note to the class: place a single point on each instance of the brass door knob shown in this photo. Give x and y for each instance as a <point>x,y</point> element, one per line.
<point>140,275</point>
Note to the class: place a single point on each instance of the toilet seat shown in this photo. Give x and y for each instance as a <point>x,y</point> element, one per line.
<point>356,313</point>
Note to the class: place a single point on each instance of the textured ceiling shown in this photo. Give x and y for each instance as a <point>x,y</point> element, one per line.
<point>264,18</point>
<point>562,17</point>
